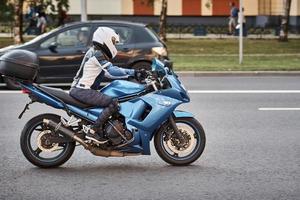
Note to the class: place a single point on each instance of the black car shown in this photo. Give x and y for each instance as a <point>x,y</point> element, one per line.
<point>61,50</point>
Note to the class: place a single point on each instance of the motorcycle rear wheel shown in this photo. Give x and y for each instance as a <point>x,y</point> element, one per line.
<point>170,153</point>
<point>56,155</point>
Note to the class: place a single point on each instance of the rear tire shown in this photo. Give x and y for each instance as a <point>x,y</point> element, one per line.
<point>32,155</point>
<point>191,157</point>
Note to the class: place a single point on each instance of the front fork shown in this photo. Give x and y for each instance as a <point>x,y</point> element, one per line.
<point>171,118</point>
<point>175,128</point>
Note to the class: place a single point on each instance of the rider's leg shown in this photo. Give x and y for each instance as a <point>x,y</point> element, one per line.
<point>107,112</point>
<point>95,98</point>
<point>91,97</point>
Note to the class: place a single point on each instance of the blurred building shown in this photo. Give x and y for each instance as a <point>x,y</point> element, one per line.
<point>204,12</point>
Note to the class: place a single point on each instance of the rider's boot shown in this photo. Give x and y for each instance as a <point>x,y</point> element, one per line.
<point>96,132</point>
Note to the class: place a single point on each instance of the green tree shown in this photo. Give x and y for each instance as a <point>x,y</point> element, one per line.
<point>61,6</point>
<point>285,21</point>
<point>6,11</point>
<point>162,18</point>
<point>18,21</point>
<point>163,21</point>
<point>57,8</point>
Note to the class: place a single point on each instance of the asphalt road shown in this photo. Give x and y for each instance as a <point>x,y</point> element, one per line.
<point>250,154</point>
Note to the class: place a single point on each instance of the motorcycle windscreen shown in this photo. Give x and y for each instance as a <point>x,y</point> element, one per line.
<point>120,88</point>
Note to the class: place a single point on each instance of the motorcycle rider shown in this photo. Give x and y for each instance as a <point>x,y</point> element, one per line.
<point>94,68</point>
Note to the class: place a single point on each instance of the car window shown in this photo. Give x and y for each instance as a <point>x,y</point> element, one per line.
<point>47,43</point>
<point>145,35</point>
<point>125,33</point>
<point>152,34</point>
<point>37,38</point>
<point>77,37</point>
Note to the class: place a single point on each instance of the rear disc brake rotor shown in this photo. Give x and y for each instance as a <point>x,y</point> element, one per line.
<point>43,142</point>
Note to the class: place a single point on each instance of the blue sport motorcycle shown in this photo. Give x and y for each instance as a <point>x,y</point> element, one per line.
<point>147,111</point>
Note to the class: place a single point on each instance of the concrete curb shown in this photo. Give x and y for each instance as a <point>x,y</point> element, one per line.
<point>237,73</point>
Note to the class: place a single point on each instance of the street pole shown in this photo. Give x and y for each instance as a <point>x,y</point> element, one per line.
<point>83,11</point>
<point>241,16</point>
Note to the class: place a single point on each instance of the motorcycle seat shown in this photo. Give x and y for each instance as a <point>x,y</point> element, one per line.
<point>63,96</point>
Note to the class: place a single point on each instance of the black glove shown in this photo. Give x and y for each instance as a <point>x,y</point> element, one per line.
<point>140,74</point>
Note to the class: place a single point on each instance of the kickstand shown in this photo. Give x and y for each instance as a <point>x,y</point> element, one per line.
<point>25,108</point>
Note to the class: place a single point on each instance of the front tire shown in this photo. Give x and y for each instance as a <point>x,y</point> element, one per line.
<point>58,153</point>
<point>169,152</point>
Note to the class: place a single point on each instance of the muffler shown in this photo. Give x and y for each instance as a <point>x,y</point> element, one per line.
<point>65,131</point>
<point>94,150</point>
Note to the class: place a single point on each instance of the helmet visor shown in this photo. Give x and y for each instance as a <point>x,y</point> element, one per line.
<point>114,40</point>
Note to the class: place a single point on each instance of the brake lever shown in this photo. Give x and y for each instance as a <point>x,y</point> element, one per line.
<point>149,73</point>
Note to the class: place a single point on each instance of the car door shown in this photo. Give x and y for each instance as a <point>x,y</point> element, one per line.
<point>125,47</point>
<point>61,54</point>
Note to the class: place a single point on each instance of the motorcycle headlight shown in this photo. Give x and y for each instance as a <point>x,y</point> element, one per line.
<point>160,51</point>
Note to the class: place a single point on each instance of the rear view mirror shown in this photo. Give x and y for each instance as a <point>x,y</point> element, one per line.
<point>52,47</point>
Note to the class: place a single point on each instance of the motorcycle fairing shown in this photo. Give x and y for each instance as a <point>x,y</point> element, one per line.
<point>161,104</point>
<point>120,88</point>
<point>161,107</point>
<point>180,113</point>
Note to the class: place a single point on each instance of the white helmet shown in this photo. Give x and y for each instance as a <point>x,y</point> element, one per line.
<point>105,39</point>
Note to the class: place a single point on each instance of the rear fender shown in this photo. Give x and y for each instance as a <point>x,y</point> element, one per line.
<point>41,96</point>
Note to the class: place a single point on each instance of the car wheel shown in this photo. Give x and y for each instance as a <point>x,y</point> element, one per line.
<point>11,84</point>
<point>142,65</point>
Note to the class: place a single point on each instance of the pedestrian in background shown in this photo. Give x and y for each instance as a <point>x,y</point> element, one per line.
<point>244,18</point>
<point>233,18</point>
<point>62,16</point>
<point>30,16</point>
<point>243,22</point>
<point>41,22</point>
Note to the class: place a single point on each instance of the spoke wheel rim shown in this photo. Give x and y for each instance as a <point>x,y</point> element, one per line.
<point>192,147</point>
<point>36,151</point>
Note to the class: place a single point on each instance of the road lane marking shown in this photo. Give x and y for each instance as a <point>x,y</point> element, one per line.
<point>16,91</point>
<point>244,91</point>
<point>278,109</point>
<point>235,55</point>
<point>10,92</point>
<point>207,91</point>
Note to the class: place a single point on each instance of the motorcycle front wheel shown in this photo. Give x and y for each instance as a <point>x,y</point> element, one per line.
<point>34,144</point>
<point>180,152</point>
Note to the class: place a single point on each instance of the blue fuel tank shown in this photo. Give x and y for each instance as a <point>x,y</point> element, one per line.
<point>120,88</point>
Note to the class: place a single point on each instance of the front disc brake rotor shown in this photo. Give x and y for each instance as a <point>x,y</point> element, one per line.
<point>187,147</point>
<point>43,142</point>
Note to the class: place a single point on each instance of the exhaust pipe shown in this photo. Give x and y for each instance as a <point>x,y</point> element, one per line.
<point>94,150</point>
<point>65,131</point>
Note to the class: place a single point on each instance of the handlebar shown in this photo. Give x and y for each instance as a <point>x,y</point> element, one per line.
<point>152,80</point>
